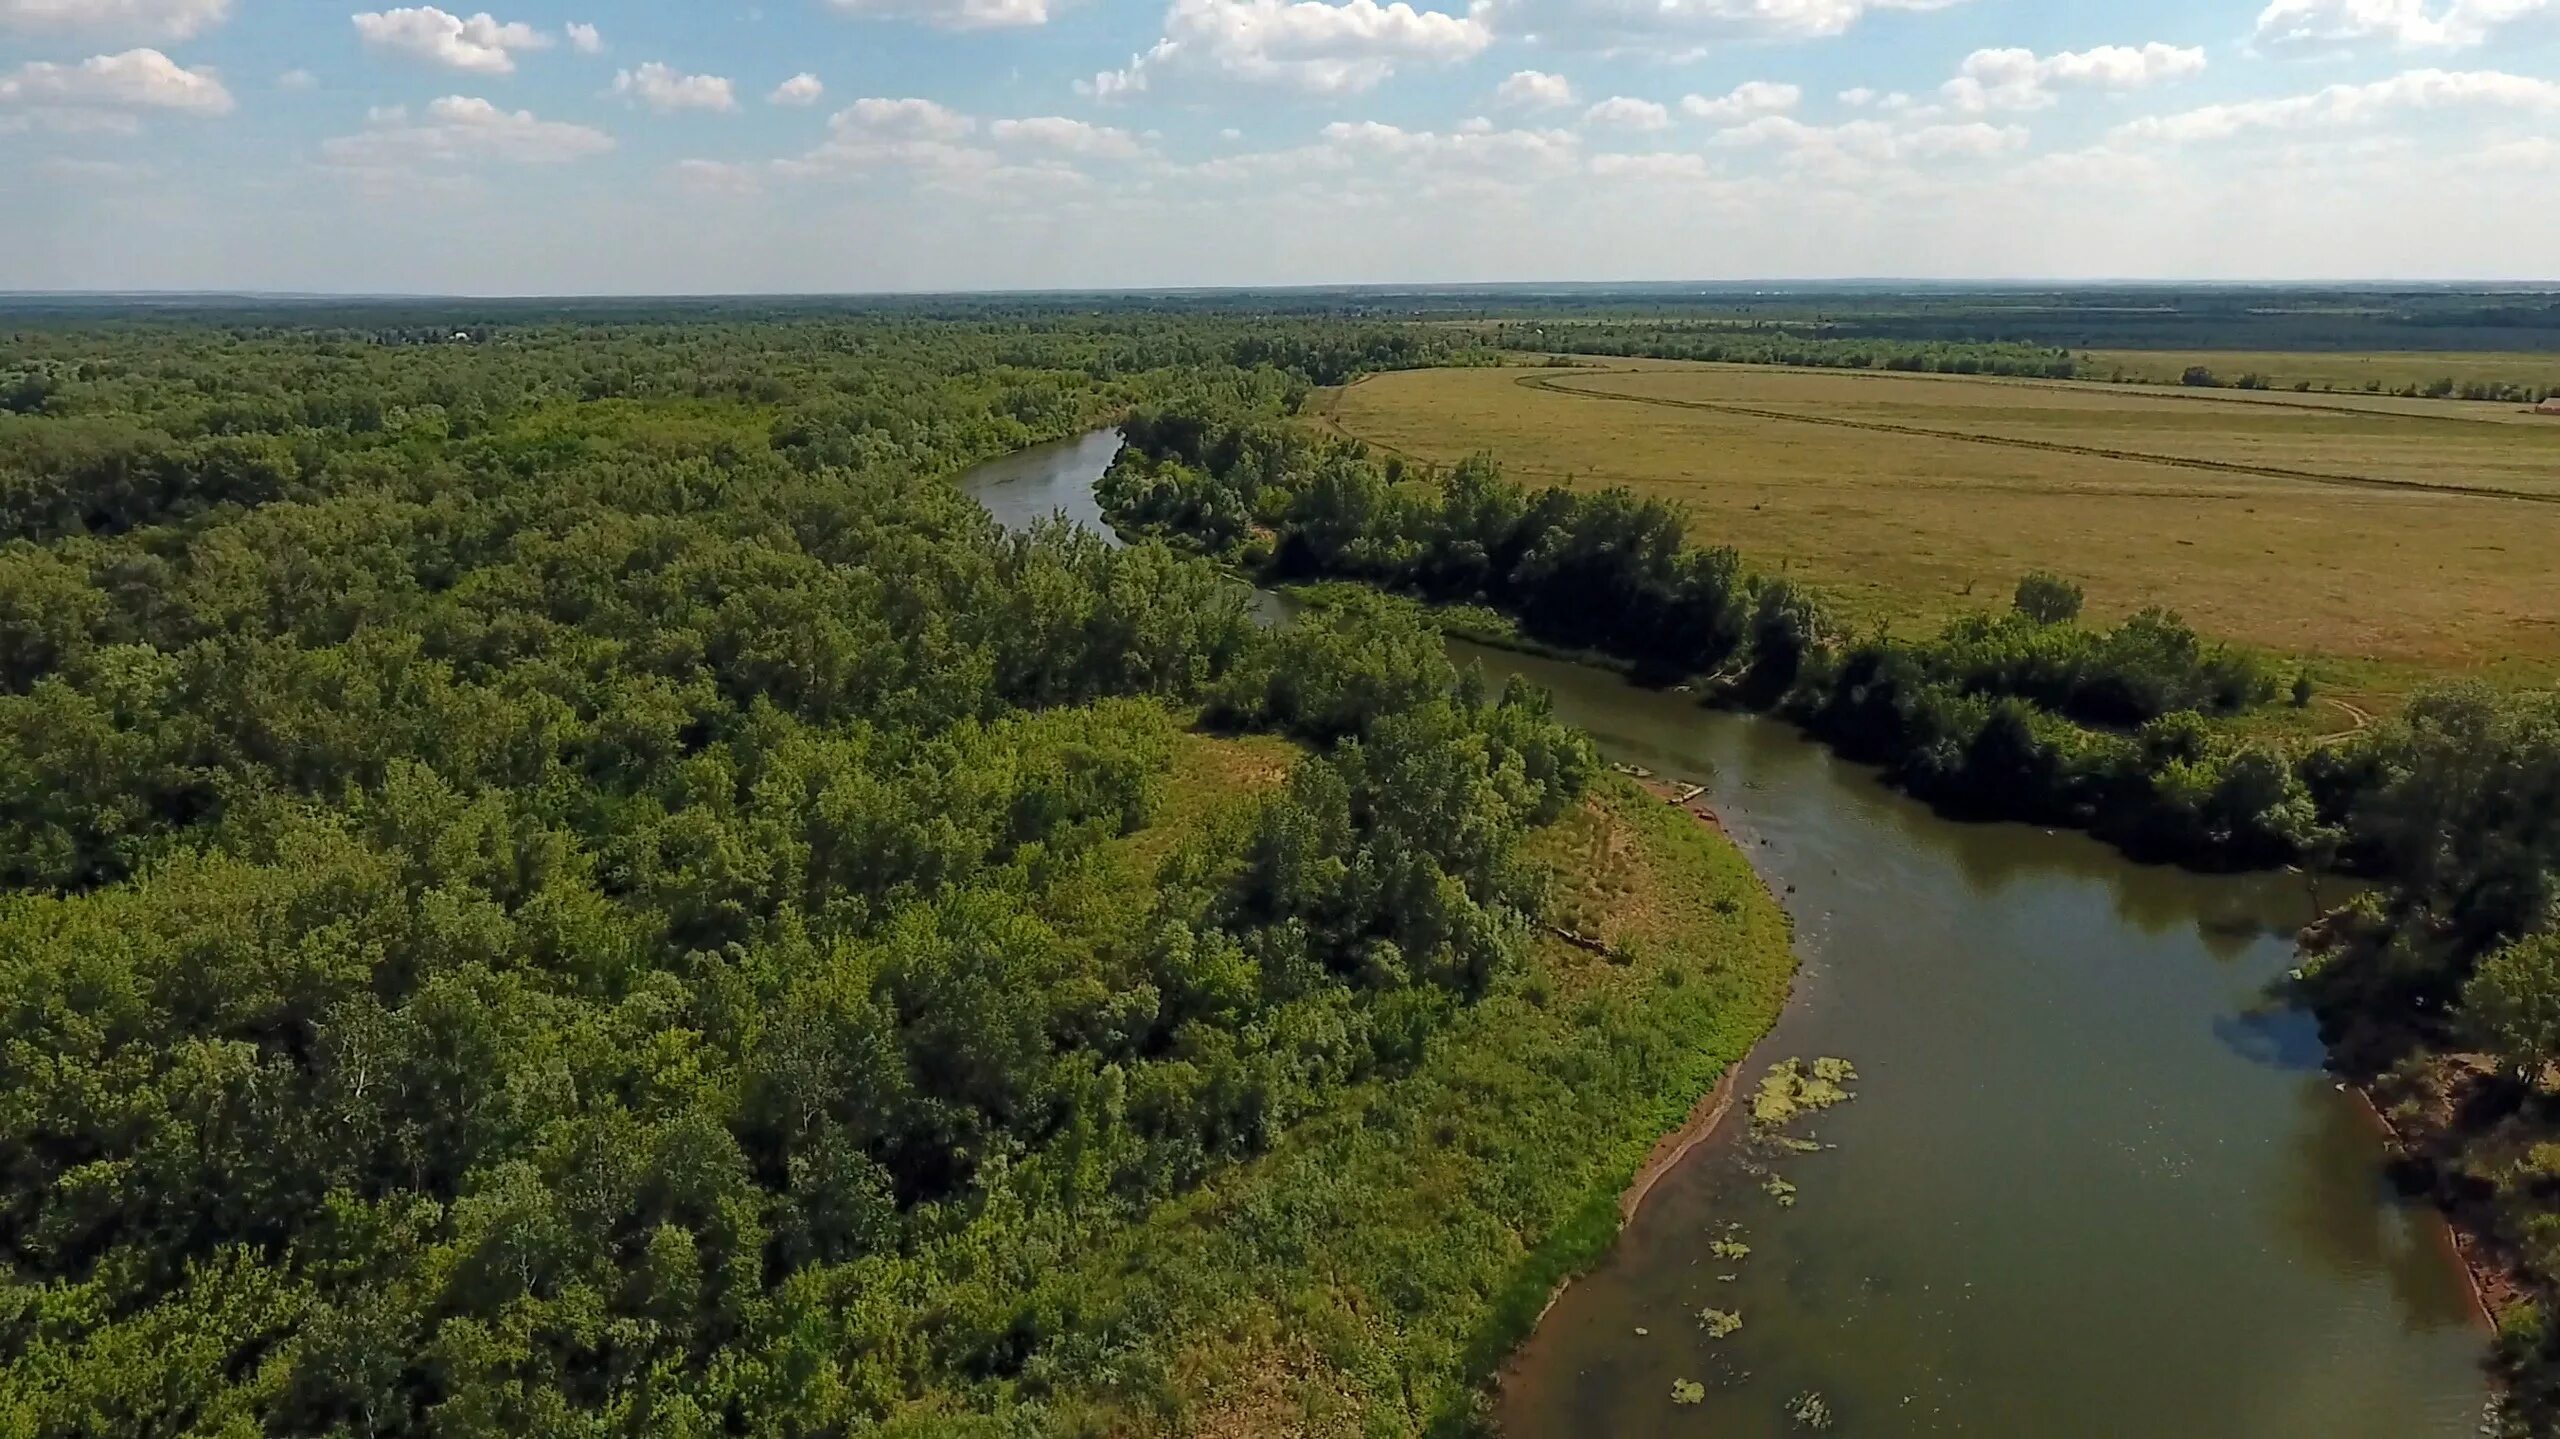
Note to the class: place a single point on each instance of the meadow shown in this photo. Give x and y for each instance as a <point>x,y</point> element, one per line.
<point>2384,540</point>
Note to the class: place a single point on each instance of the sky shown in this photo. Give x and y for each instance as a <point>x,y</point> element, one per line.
<point>560,147</point>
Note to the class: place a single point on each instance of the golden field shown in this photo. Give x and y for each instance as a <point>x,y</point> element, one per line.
<point>2389,540</point>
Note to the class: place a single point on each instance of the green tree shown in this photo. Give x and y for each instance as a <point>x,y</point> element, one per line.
<point>2514,998</point>
<point>2049,599</point>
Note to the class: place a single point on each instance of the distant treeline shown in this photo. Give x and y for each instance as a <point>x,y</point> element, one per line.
<point>2454,807</point>
<point>1825,349</point>
<point>1718,344</point>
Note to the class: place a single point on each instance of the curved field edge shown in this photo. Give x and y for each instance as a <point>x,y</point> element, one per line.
<point>1371,1274</point>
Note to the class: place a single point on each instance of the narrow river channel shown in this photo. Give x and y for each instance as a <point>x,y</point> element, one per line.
<point>2091,1185</point>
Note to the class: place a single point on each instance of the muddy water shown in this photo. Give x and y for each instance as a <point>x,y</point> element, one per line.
<point>2092,1184</point>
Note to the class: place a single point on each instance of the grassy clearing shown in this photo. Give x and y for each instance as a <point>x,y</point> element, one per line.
<point>1370,1274</point>
<point>1914,498</point>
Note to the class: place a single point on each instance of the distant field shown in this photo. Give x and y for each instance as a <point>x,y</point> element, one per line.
<point>2343,373</point>
<point>2394,539</point>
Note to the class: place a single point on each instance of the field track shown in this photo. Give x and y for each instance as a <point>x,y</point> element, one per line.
<point>1558,387</point>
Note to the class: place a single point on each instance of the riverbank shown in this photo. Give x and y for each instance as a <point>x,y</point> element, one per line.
<point>2057,1153</point>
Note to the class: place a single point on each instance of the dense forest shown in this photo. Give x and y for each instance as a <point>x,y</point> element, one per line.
<point>2453,809</point>
<point>564,880</point>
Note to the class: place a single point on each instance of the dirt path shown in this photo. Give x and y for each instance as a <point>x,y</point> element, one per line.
<point>2052,447</point>
<point>2359,719</point>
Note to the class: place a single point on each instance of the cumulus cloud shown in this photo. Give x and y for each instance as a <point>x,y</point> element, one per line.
<point>1535,90</point>
<point>2344,106</point>
<point>459,130</point>
<point>2014,79</point>
<point>950,14</point>
<point>666,90</point>
<point>938,148</point>
<point>298,81</point>
<point>1746,102</point>
<point>1620,112</point>
<point>1512,155</point>
<point>90,95</point>
<point>146,19</point>
<point>1059,135</point>
<point>801,89</point>
<point>2406,24</point>
<point>1308,45</point>
<point>480,45</point>
<point>585,39</point>
<point>1369,163</point>
<point>903,120</point>
<point>1610,24</point>
<point>1850,150</point>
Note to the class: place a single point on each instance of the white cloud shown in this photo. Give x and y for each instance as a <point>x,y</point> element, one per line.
<point>2408,24</point>
<point>1747,102</point>
<point>134,80</point>
<point>801,89</point>
<point>298,80</point>
<point>878,134</point>
<point>585,39</point>
<point>715,177</point>
<point>1534,90</point>
<point>459,130</point>
<point>1308,45</point>
<point>1517,155</point>
<point>148,19</point>
<point>667,90</point>
<point>903,120</point>
<point>1859,98</point>
<point>1374,166</point>
<point>934,147</point>
<point>1611,24</point>
<point>1620,112</point>
<point>480,45</point>
<point>2533,153</point>
<point>950,14</point>
<point>1062,136</point>
<point>1853,150</point>
<point>1657,167</point>
<point>2343,106</point>
<point>2023,80</point>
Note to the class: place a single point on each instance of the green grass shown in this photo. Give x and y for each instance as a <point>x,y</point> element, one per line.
<point>1370,1273</point>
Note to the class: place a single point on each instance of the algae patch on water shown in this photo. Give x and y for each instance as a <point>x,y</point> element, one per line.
<point>1719,1323</point>
<point>1687,1391</point>
<point>1792,1089</point>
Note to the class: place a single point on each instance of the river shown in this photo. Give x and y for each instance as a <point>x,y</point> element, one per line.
<point>2092,1184</point>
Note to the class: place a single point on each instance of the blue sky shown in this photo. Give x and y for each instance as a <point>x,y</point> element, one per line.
<point>838,145</point>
